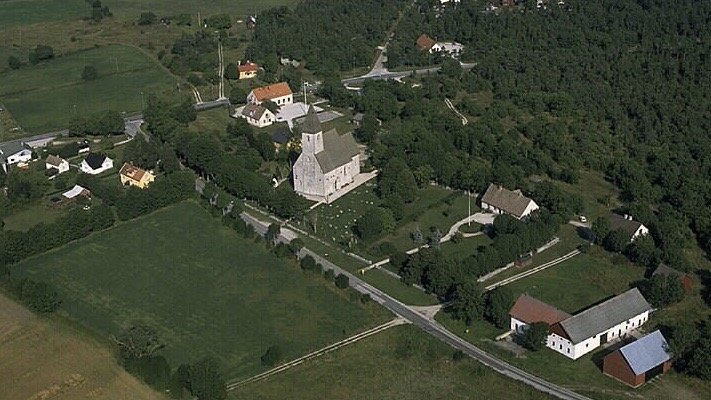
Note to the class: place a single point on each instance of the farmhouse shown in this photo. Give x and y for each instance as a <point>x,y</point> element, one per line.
<point>280,93</point>
<point>632,229</point>
<point>60,164</point>
<point>248,70</point>
<point>586,331</point>
<point>528,310</point>
<point>664,270</point>
<point>14,153</point>
<point>328,161</point>
<point>134,176</point>
<point>95,164</point>
<point>425,42</point>
<point>500,200</point>
<point>639,361</point>
<point>257,115</point>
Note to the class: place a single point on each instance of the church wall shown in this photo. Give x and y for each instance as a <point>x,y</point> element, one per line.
<point>308,178</point>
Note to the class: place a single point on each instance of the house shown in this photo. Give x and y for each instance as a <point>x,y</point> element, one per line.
<point>95,164</point>
<point>639,361</point>
<point>248,70</point>
<point>611,319</point>
<point>257,115</point>
<point>14,153</point>
<point>528,310</point>
<point>664,270</point>
<point>499,200</point>
<point>632,229</point>
<point>60,164</point>
<point>251,21</point>
<point>280,93</point>
<point>328,161</point>
<point>134,176</point>
<point>453,49</point>
<point>424,42</point>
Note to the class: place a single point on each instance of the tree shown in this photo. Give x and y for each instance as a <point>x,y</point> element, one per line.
<point>232,72</point>
<point>498,304</point>
<point>41,53</point>
<point>89,73</point>
<point>147,18</point>
<point>270,105</point>
<point>341,281</point>
<point>375,222</point>
<point>662,290</point>
<point>273,232</point>
<point>535,336</point>
<point>296,245</point>
<point>272,356</point>
<point>39,297</point>
<point>219,21</point>
<point>206,382</point>
<point>616,241</point>
<point>468,302</point>
<point>601,228</point>
<point>138,342</point>
<point>14,62</point>
<point>184,112</point>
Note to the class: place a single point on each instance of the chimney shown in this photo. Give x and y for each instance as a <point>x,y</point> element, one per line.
<point>629,217</point>
<point>626,216</point>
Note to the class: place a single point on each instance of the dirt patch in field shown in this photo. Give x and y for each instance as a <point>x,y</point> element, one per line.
<point>47,359</point>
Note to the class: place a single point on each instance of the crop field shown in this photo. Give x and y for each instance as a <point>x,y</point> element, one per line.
<point>409,364</point>
<point>51,359</point>
<point>25,12</point>
<point>208,291</point>
<point>133,8</point>
<point>47,96</point>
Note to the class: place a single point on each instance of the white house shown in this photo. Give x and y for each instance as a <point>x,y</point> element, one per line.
<point>500,200</point>
<point>60,164</point>
<point>328,161</point>
<point>14,153</point>
<point>633,229</point>
<point>257,115</point>
<point>280,93</point>
<point>96,163</point>
<point>528,310</point>
<point>588,330</point>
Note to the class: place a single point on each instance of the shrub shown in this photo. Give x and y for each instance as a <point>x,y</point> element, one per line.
<point>341,281</point>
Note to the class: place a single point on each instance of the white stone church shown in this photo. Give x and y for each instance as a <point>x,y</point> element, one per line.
<point>328,162</point>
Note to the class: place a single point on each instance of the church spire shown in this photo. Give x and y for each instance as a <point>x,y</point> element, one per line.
<point>311,123</point>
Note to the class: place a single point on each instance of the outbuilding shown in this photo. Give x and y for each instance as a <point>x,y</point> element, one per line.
<point>639,361</point>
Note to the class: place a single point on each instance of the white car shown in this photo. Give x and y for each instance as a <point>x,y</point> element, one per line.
<point>583,219</point>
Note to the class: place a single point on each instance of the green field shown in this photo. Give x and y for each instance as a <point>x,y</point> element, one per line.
<point>586,280</point>
<point>133,8</point>
<point>47,96</point>
<point>25,12</point>
<point>206,289</point>
<point>400,363</point>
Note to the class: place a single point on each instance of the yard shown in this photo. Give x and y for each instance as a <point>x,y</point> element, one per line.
<point>126,77</point>
<point>408,365</point>
<point>26,12</point>
<point>207,290</point>
<point>131,9</point>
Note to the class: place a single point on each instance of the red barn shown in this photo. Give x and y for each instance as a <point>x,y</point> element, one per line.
<point>639,361</point>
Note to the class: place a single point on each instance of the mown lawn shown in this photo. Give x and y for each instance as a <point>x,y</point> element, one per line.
<point>581,281</point>
<point>207,290</point>
<point>25,12</point>
<point>47,96</point>
<point>400,363</point>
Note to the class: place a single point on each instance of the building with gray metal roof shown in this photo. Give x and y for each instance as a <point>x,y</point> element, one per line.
<point>639,361</point>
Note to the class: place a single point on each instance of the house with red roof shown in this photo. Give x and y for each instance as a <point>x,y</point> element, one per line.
<point>248,70</point>
<point>528,310</point>
<point>279,93</point>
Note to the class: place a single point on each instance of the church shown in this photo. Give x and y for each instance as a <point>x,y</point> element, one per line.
<point>328,161</point>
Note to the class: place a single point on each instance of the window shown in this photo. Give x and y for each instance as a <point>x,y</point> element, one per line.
<point>568,350</point>
<point>560,347</point>
<point>587,344</point>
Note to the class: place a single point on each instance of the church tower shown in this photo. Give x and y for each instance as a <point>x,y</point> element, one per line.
<point>311,134</point>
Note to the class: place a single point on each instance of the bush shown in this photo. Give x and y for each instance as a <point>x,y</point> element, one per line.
<point>38,296</point>
<point>89,73</point>
<point>329,275</point>
<point>341,281</point>
<point>272,356</point>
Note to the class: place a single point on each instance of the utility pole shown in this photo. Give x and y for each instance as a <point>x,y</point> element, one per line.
<point>305,102</point>
<point>469,207</point>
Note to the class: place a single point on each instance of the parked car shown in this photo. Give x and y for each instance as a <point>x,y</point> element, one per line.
<point>583,219</point>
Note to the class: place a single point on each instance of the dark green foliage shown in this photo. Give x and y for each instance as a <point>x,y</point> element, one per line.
<point>341,281</point>
<point>38,296</point>
<point>14,62</point>
<point>535,336</point>
<point>102,124</point>
<point>296,245</point>
<point>24,186</point>
<point>690,346</point>
<point>140,341</point>
<point>498,304</point>
<point>374,223</point>
<point>185,112</point>
<point>219,21</point>
<point>328,24</point>
<point>468,302</point>
<point>89,73</point>
<point>273,232</point>
<point>164,191</point>
<point>206,382</point>
<point>154,370</point>
<point>147,18</point>
<point>661,290</point>
<point>272,356</point>
<point>41,53</point>
<point>329,275</point>
<point>231,72</point>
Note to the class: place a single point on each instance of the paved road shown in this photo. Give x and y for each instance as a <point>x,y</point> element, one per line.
<point>432,327</point>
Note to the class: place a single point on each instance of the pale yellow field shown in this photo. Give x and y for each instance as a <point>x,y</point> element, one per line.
<point>47,359</point>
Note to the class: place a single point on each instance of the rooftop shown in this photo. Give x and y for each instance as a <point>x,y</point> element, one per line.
<point>425,42</point>
<point>253,111</point>
<point>625,223</point>
<point>95,161</point>
<point>512,202</point>
<point>338,150</point>
<point>529,310</point>
<point>248,67</point>
<point>54,160</point>
<point>272,91</point>
<point>605,315</point>
<point>646,353</point>
<point>131,171</point>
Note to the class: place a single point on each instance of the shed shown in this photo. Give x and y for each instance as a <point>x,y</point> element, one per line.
<point>665,270</point>
<point>639,361</point>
